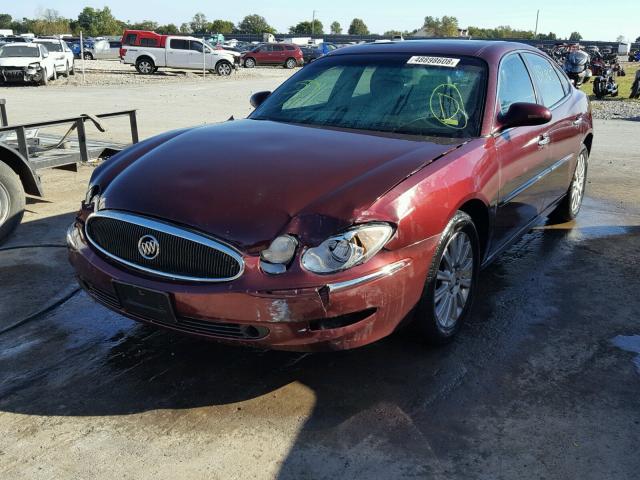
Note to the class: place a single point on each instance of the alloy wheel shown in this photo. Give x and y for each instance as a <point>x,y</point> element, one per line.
<point>577,186</point>
<point>145,67</point>
<point>453,280</point>
<point>224,69</point>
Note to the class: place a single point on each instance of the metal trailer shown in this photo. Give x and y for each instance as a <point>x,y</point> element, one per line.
<point>24,152</point>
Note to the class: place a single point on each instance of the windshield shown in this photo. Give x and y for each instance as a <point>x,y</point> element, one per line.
<point>386,92</point>
<point>52,47</point>
<point>9,51</point>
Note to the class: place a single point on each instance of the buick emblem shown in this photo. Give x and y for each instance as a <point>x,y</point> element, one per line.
<point>149,247</point>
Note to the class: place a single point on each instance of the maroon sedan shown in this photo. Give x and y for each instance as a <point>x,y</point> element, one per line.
<point>375,182</point>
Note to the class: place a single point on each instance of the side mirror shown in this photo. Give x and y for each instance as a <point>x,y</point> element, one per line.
<point>258,98</point>
<point>523,114</point>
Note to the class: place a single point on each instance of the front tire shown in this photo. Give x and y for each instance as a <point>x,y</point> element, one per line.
<point>88,56</point>
<point>569,207</point>
<point>249,63</point>
<point>224,68</point>
<point>451,281</point>
<point>11,201</point>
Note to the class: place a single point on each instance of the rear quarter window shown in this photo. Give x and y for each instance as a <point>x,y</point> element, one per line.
<point>289,47</point>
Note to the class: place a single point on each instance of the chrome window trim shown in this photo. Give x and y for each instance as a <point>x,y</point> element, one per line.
<point>170,230</point>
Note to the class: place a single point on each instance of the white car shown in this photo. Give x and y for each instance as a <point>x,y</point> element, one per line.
<point>26,62</point>
<point>183,53</point>
<point>62,55</point>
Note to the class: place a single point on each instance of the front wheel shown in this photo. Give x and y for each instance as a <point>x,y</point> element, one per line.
<point>88,56</point>
<point>569,207</point>
<point>449,289</point>
<point>224,68</point>
<point>11,201</point>
<point>249,62</point>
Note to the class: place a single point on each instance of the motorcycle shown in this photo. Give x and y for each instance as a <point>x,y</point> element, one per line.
<point>635,88</point>
<point>605,84</point>
<point>576,66</point>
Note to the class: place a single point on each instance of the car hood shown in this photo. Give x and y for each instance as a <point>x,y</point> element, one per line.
<point>18,61</point>
<point>248,181</point>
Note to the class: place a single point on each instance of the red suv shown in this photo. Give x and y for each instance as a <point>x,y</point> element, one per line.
<point>289,56</point>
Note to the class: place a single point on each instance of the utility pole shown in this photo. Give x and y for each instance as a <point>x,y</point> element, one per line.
<point>313,23</point>
<point>537,17</point>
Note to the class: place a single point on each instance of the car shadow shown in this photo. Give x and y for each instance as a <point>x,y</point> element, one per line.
<point>83,360</point>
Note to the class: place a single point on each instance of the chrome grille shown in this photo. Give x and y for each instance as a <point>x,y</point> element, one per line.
<point>183,254</point>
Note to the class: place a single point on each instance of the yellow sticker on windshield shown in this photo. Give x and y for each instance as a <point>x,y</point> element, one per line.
<point>434,61</point>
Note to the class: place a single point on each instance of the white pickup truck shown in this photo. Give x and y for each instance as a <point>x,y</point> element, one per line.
<point>183,53</point>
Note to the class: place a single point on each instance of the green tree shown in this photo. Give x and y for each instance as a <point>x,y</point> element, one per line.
<point>575,37</point>
<point>503,31</point>
<point>307,28</point>
<point>145,25</point>
<point>185,28</point>
<point>255,24</point>
<point>169,29</point>
<point>198,23</point>
<point>224,27</point>
<point>6,20</point>
<point>547,36</point>
<point>440,27</point>
<point>95,22</point>
<point>358,27</point>
<point>336,28</point>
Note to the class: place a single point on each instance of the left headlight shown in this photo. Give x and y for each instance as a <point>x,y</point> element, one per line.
<point>35,65</point>
<point>353,247</point>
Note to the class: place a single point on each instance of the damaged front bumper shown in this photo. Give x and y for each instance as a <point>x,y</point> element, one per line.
<point>342,313</point>
<point>20,74</point>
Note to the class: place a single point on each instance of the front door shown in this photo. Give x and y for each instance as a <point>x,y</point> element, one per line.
<point>522,154</point>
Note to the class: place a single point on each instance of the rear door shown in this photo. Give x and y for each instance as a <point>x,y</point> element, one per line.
<point>278,55</point>
<point>563,130</point>
<point>178,53</point>
<point>522,155</point>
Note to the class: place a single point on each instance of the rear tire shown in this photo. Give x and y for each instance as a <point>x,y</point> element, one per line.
<point>448,292</point>
<point>11,201</point>
<point>45,78</point>
<point>569,207</point>
<point>145,66</point>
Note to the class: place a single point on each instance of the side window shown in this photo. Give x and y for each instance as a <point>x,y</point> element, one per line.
<point>514,83</point>
<point>130,39</point>
<point>566,84</point>
<point>197,46</point>
<point>148,42</point>
<point>277,48</point>
<point>546,79</point>
<point>289,47</point>
<point>178,44</point>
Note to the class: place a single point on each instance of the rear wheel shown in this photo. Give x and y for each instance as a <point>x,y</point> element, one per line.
<point>145,66</point>
<point>569,207</point>
<point>448,292</point>
<point>249,62</point>
<point>224,68</point>
<point>290,63</point>
<point>11,201</point>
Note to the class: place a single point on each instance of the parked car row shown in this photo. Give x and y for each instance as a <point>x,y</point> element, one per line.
<point>35,62</point>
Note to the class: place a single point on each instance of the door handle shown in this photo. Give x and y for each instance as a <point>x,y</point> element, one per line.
<point>544,140</point>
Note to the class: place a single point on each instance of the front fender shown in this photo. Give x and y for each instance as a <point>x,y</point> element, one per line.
<point>29,178</point>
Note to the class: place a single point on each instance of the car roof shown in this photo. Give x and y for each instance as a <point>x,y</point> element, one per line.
<point>486,49</point>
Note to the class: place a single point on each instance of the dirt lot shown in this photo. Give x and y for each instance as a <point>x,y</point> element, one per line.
<point>541,383</point>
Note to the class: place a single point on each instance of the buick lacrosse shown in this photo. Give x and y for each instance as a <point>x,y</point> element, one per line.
<point>369,188</point>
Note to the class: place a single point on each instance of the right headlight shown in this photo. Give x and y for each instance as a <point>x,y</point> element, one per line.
<point>345,250</point>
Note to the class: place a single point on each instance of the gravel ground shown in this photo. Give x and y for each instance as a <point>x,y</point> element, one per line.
<point>112,72</point>
<point>616,109</point>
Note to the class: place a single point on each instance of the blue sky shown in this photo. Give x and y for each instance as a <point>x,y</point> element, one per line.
<point>594,19</point>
